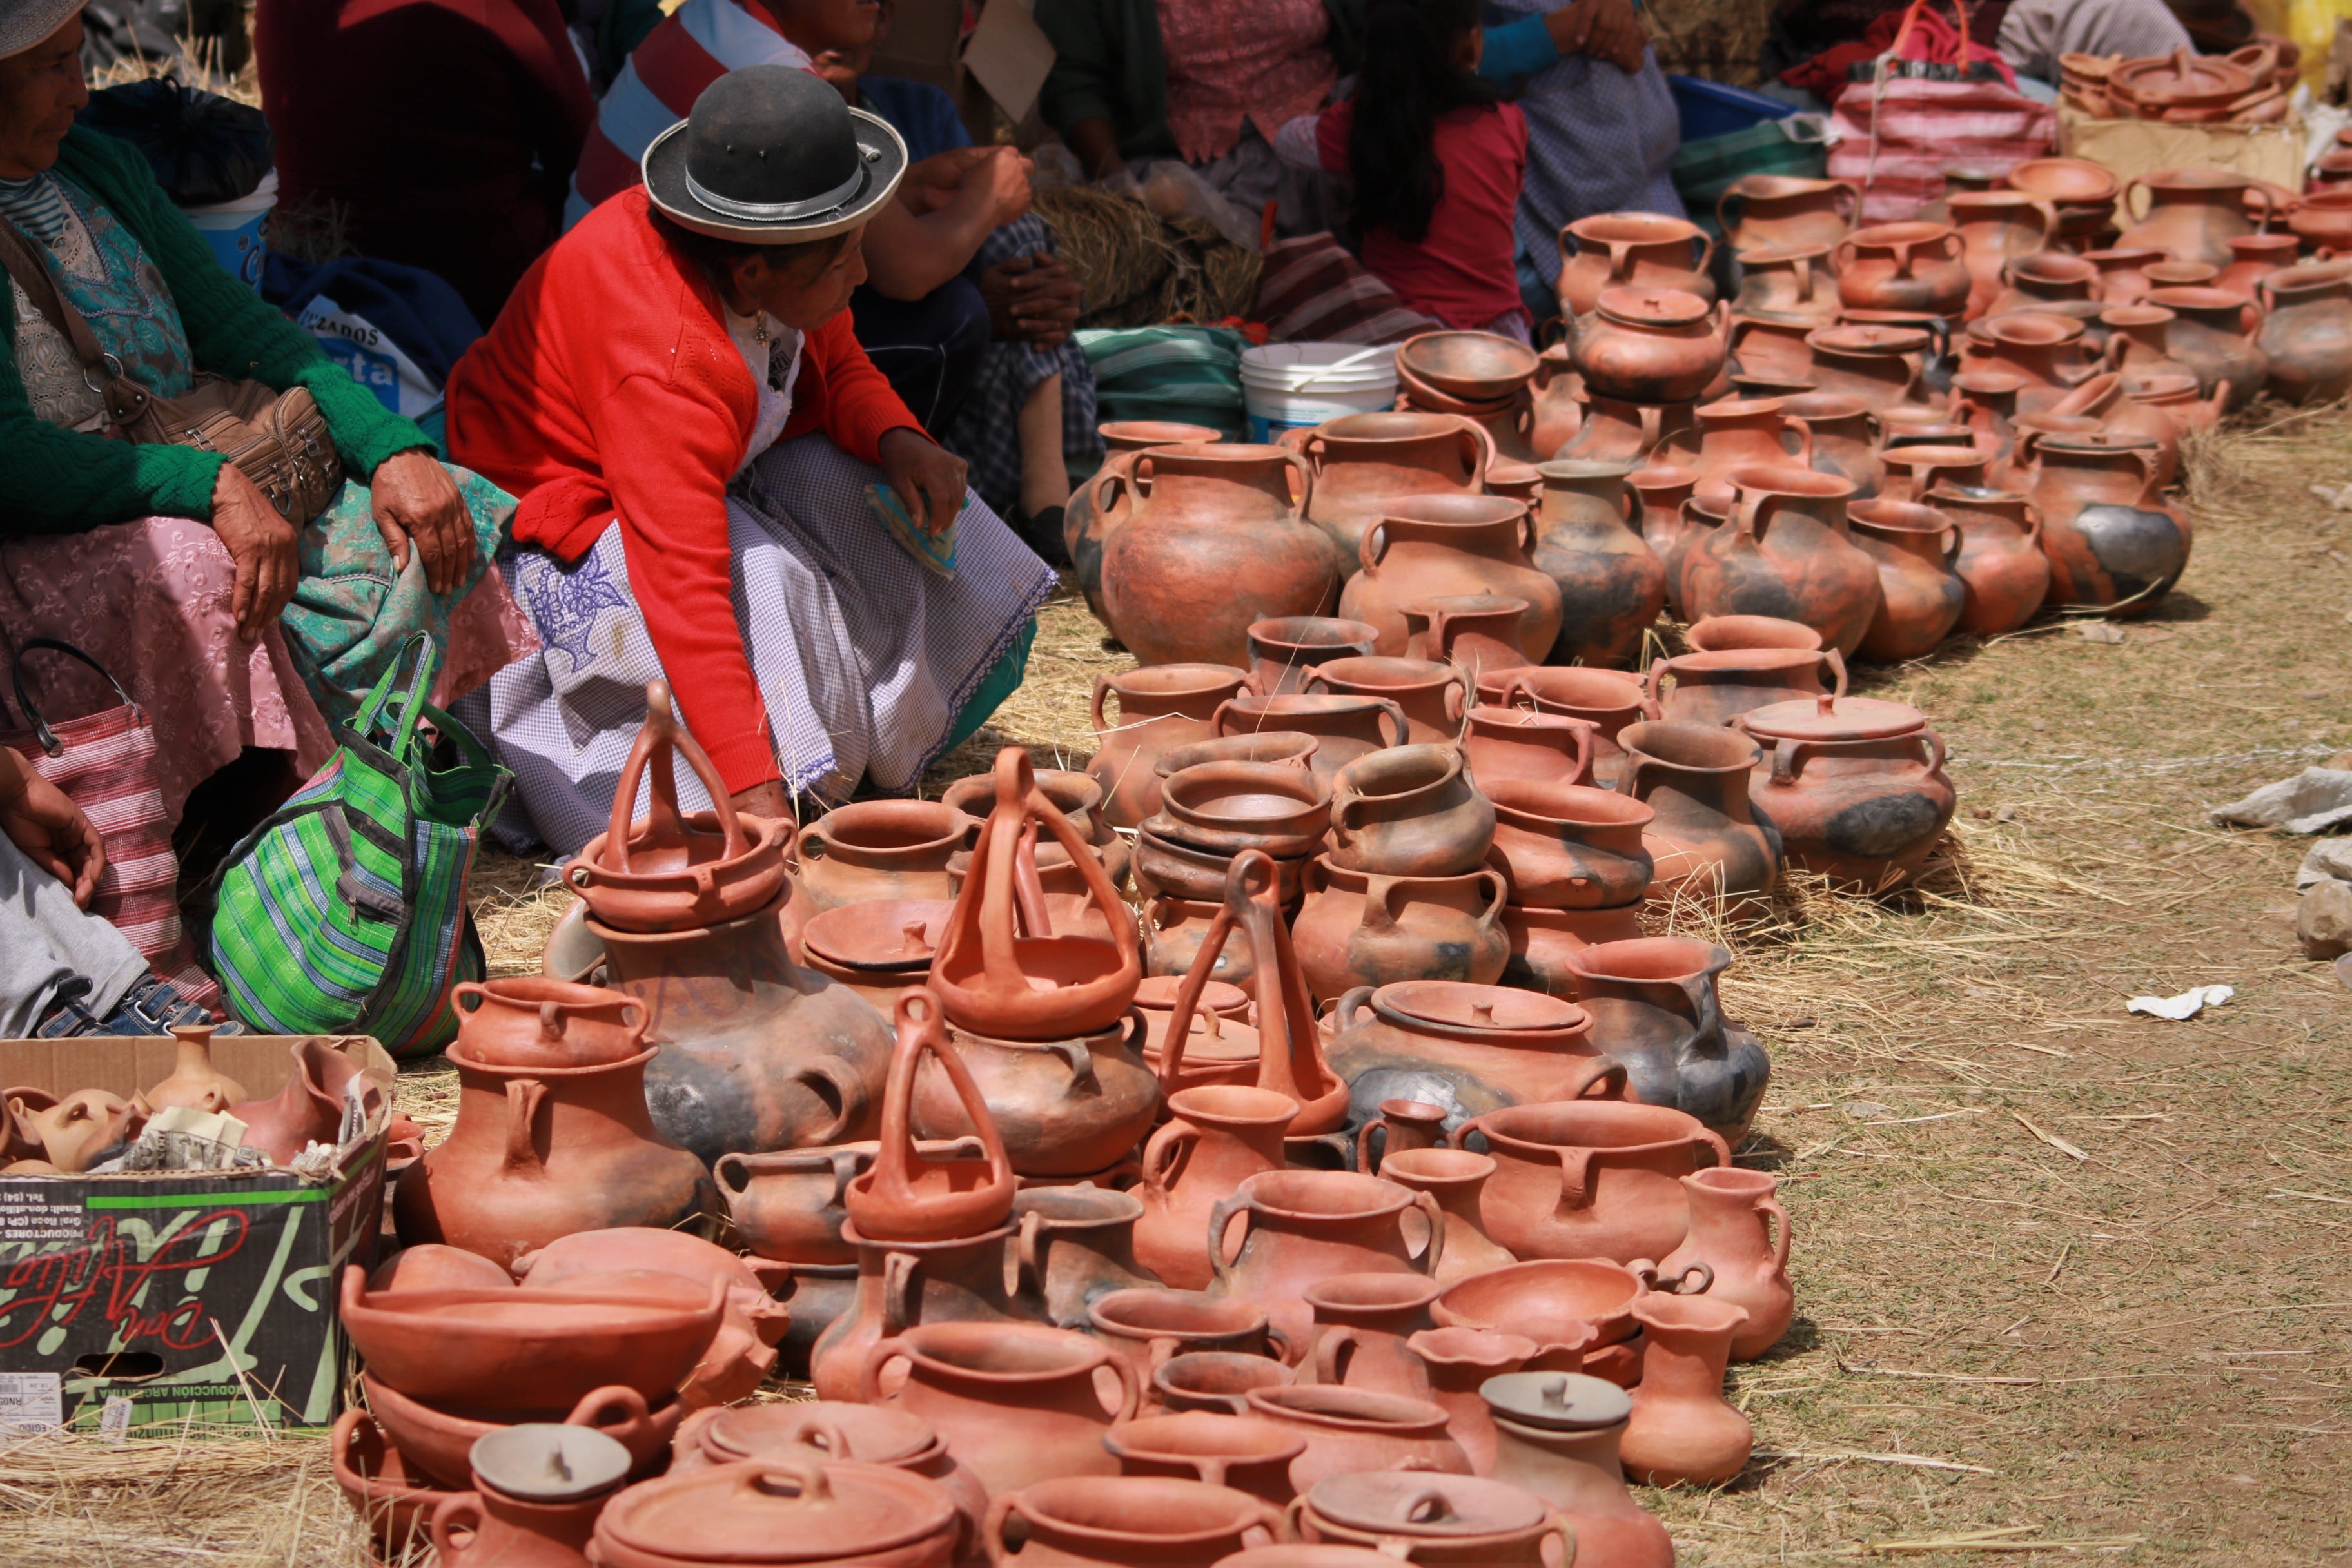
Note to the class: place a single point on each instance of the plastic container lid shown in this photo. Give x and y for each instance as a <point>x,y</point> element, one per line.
<point>1557,1401</point>
<point>1834,719</point>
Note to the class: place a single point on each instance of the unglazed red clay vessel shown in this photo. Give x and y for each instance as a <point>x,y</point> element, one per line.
<point>783,1509</point>
<point>531,1021</point>
<point>1283,648</point>
<point>1740,1230</point>
<point>1444,1521</point>
<point>1612,583</point>
<point>309,1109</point>
<point>194,1082</point>
<point>1364,463</point>
<point>1237,1451</point>
<point>1856,786</point>
<point>2114,542</point>
<point>1557,1436</point>
<point>1458,1363</point>
<point>1608,700</point>
<point>1631,250</point>
<point>1160,708</point>
<point>1433,696</point>
<point>1681,1430</point>
<point>1453,1177</point>
<point>1092,1522</point>
<point>1344,728</point>
<point>1084,530</point>
<point>1706,842</point>
<point>906,1193</point>
<point>2213,335</point>
<point>1786,552</point>
<point>393,1501</point>
<point>1361,1324</point>
<point>1737,433</point>
<point>788,1205</point>
<point>1995,228</point>
<point>432,1267</point>
<point>744,1351</point>
<point>1363,929</point>
<point>1570,846</point>
<point>907,1282</point>
<point>1074,1244</point>
<point>1590,1178</point>
<point>1879,364</point>
<point>1789,280</point>
<point>1217,1382</point>
<point>1152,1326</point>
<point>1785,209</point>
<point>1912,267</point>
<point>1578,1310</point>
<point>1297,1227</point>
<point>2003,574</point>
<point>1351,1430</point>
<point>2306,333</point>
<point>1470,1048</point>
<point>436,1443</point>
<point>1519,744</point>
<point>825,1430</point>
<point>882,850</point>
<point>1410,811</point>
<point>1717,687</point>
<point>1649,345</point>
<point>1654,1010</point>
<point>1472,631</point>
<point>1405,1125</point>
<point>2193,213</point>
<point>1434,546</point>
<point>1215,1138</point>
<point>1016,1402</point>
<point>1920,593</point>
<point>1064,1108</point>
<point>1219,1048</point>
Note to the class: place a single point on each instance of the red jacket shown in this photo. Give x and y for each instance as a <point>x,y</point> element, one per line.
<point>609,385</point>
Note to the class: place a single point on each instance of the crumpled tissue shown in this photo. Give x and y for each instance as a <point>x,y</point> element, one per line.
<point>2186,1005</point>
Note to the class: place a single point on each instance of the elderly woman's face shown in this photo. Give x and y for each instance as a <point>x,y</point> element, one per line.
<point>40,87</point>
<point>806,293</point>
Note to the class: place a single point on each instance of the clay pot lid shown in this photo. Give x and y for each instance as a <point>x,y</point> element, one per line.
<point>1158,993</point>
<point>2182,80</point>
<point>1834,719</point>
<point>823,1428</point>
<point>542,1461</point>
<point>1654,307</point>
<point>879,933</point>
<point>1557,1401</point>
<point>2159,388</point>
<point>2034,329</point>
<point>1461,1004</point>
<point>772,1510</point>
<point>2102,442</point>
<point>1854,340</point>
<point>1397,1502</point>
<point>1771,255</point>
<point>2140,315</point>
<point>2196,297</point>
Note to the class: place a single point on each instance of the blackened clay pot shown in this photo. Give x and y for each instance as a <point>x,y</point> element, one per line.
<point>1654,1007</point>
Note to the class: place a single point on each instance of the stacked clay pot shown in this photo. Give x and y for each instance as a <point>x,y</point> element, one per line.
<point>1210,813</point>
<point>1479,376</point>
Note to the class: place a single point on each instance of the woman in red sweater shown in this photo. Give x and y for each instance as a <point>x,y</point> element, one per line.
<point>703,452</point>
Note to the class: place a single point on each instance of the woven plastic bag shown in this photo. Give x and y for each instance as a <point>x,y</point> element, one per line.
<point>1897,133</point>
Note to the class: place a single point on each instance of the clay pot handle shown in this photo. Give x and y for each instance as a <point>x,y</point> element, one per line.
<point>2270,205</point>
<point>1707,252</point>
<point>848,1089</point>
<point>460,1510</point>
<point>1165,1149</point>
<point>1605,1073</point>
<point>923,1031</point>
<point>1298,466</point>
<point>1026,1262</point>
<point>2123,200</point>
<point>992,1530</point>
<point>1095,708</point>
<point>1328,1371</point>
<point>1435,1253</point>
<point>1937,751</point>
<point>1680,1285</point>
<point>807,1476</point>
<point>1480,450</point>
<point>1721,222</point>
<point>1576,1178</point>
<point>1352,1002</point>
<point>1711,1141</point>
<point>1394,711</point>
<point>660,741</point>
<point>467,991</point>
<point>1130,1391</point>
<point>523,1095</point>
<point>1840,257</point>
<point>880,1355</point>
<point>1653,678</point>
<point>1379,913</point>
<point>1196,979</point>
<point>1109,476</point>
<point>1620,261</point>
<point>1221,1215</point>
<point>1458,697</point>
<point>897,1274</point>
<point>1369,554</point>
<point>619,1412</point>
<point>1771,1206</point>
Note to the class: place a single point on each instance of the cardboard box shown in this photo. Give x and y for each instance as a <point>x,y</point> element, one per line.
<point>137,1290</point>
<point>2130,148</point>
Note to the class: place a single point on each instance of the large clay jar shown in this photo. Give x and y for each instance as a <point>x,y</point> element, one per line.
<point>882,850</point>
<point>541,1152</point>
<point>2212,334</point>
<point>1785,209</point>
<point>1214,1139</point>
<point>1655,1009</point>
<point>1557,1436</point>
<point>2193,213</point>
<point>1352,1430</point>
<point>1855,785</point>
<point>1344,727</point>
<point>1608,700</point>
<point>1649,346</point>
<point>1453,1177</point>
<point>1364,463</point>
<point>1410,811</point>
<point>1065,1108</point>
<point>2003,574</point>
<point>1636,250</point>
<point>1717,687</point>
<point>1569,846</point>
<point>1442,1521</point>
<point>1459,1361</point>
<point>1920,593</point>
<point>1360,928</point>
<point>1788,281</point>
<point>1361,1324</point>
<point>1426,547</point>
<point>2113,541</point>
<point>1590,1178</point>
<point>1073,1245</point>
<point>1612,584</point>
<point>1301,1227</point>
<point>1740,1232</point>
<point>1209,539</point>
<point>1681,1428</point>
<point>1466,1048</point>
<point>1083,528</point>
<point>1879,364</point>
<point>1092,1522</point>
<point>2307,334</point>
<point>1708,842</point>
<point>1160,707</point>
<point>1913,267</point>
<point>1016,1402</point>
<point>1994,227</point>
<point>1786,552</point>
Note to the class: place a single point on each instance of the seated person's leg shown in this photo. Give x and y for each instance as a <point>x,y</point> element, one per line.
<point>930,347</point>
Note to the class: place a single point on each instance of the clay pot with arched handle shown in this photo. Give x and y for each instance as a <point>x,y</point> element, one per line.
<point>2003,574</point>
<point>1856,786</point>
<point>1590,1178</point>
<point>1631,250</point>
<point>1920,593</point>
<point>1650,346</point>
<point>1786,209</point>
<point>908,1194</point>
<point>1427,547</point>
<point>1084,530</point>
<point>1655,1008</point>
<point>1735,433</point>
<point>1843,434</point>
<point>1911,266</point>
<point>1016,1402</point>
<point>1280,1232</point>
<point>1786,552</point>
<point>1161,707</point>
<point>2113,541</point>
<point>1364,463</point>
<point>1740,1230</point>
<point>2193,214</point>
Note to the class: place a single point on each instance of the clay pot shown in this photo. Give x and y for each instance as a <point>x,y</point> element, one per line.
<point>1913,267</point>
<point>821,1430</point>
<point>1994,228</point>
<point>1717,687</point>
<point>1410,811</point>
<point>1607,699</point>
<point>1351,1430</point>
<point>2003,574</point>
<point>1474,366</point>
<point>2177,397</point>
<point>1216,1382</point>
<point>1725,633</point>
<point>1344,727</point>
<point>1787,280</point>
<point>1568,846</point>
<point>1541,940</point>
<point>1856,786</point>
<point>1590,1178</point>
<point>1361,1324</point>
<point>1772,345</point>
<point>194,1082</point>
<point>1920,592</point>
<point>1436,1521</point>
<point>1283,648</point>
<point>308,1110</point>
<point>1363,928</point>
<point>1557,1436</point>
<point>1577,1311</point>
<point>1612,585</point>
<point>1469,1048</point>
<point>2255,257</point>
<point>1160,708</point>
<point>2112,540</point>
<point>2193,213</point>
<point>1841,434</point>
<point>1740,1232</point>
<point>2043,282</point>
<point>531,1021</point>
<point>1879,364</point>
<point>1217,1137</point>
<point>69,1135</point>
<point>2212,336</point>
<point>902,1283</point>
<point>1681,1428</point>
<point>882,850</point>
<point>1632,249</point>
<point>1649,346</point>
<point>1623,430</point>
<point>1706,841</point>
<point>878,949</point>
<point>1016,1402</point>
<point>1404,1126</point>
<point>1219,1046</point>
<point>1433,697</point>
<point>1301,1227</point>
<point>1083,528</point>
<point>2046,349</point>
<point>1237,1451</point>
<point>1063,1108</point>
<point>1174,931</point>
<point>2323,220</point>
<point>1074,1246</point>
<point>1734,433</point>
<point>1426,547</point>
<point>2307,335</point>
<point>1153,1326</point>
<point>1112,1522</point>
<point>1914,469</point>
<point>788,1205</point>
<point>2135,340</point>
<point>395,1502</point>
<point>1784,209</point>
<point>621,1259</point>
<point>1230,807</point>
<point>1364,463</point>
<point>1473,632</point>
<point>436,1443</point>
<point>1457,1362</point>
<point>1206,539</point>
<point>1660,493</point>
<point>777,1510</point>
<point>1509,743</point>
<point>2122,276</point>
<point>1787,553</point>
<point>1654,1010</point>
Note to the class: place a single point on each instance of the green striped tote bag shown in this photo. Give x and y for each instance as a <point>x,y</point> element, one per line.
<point>345,911</point>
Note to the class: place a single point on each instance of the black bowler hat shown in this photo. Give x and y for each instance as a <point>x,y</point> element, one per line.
<point>773,156</point>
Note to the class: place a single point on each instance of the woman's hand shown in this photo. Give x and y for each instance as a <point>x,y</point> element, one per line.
<point>927,478</point>
<point>1031,298</point>
<point>413,498</point>
<point>262,544</point>
<point>767,800</point>
<point>1606,30</point>
<point>42,820</point>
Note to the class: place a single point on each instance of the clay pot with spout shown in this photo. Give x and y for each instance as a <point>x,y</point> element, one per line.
<point>1879,364</point>
<point>1423,547</point>
<point>1920,267</point>
<point>1788,281</point>
<point>2113,541</point>
<point>1361,1324</point>
<point>1283,648</point>
<point>1209,539</point>
<point>1740,1232</point>
<point>882,850</point>
<point>1084,530</point>
<point>1787,553</point>
<point>1072,1246</point>
<point>1649,346</point>
<point>1364,463</point>
<point>1856,786</point>
<point>1352,1430</point>
<point>2306,336</point>
<point>1590,1178</point>
<point>1630,250</point>
<point>1297,1227</point>
<point>1458,1521</point>
<point>1920,592</point>
<point>1758,210</point>
<point>2003,574</point>
<point>1655,1009</point>
<point>1016,1402</point>
<point>1410,811</point>
<point>1088,1521</point>
<point>1160,707</point>
<point>1433,697</point>
<point>1501,743</point>
<point>194,1082</point>
<point>1215,1138</point>
<point>1565,846</point>
<point>1681,1429</point>
<point>1707,841</point>
<point>1717,687</point>
<point>2193,214</point>
<point>1465,1048</point>
<point>1362,928</point>
<point>1607,699</point>
<point>1995,227</point>
<point>1224,1450</point>
<point>1611,583</point>
<point>1557,1435</point>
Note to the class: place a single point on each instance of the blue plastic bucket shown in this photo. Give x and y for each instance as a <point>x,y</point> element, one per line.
<point>1710,109</point>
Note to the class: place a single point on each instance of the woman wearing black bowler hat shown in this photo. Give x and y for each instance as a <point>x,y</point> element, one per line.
<point>705,457</point>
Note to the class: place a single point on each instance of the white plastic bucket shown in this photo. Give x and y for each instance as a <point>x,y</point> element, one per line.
<point>234,229</point>
<point>1288,386</point>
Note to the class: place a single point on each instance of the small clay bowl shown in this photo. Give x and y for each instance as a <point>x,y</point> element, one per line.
<point>1476,367</point>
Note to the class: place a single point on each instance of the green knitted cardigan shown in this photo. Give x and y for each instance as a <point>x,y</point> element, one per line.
<point>54,480</point>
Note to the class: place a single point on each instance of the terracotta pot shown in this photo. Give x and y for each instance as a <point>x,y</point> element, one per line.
<point>2212,336</point>
<point>1073,1245</point>
<point>1772,345</point>
<point>1016,1402</point>
<point>1590,1178</point>
<point>71,1135</point>
<point>308,1110</point>
<point>788,1205</point>
<point>2017,474</point>
<point>1632,249</point>
<point>531,1021</point>
<point>1841,434</point>
<point>1424,547</point>
<point>1230,806</point>
<point>1986,402</point>
<point>1366,929</point>
<point>822,1430</point>
<point>881,849</point>
<point>1577,1311</point>
<point>1717,687</point>
<point>2135,340</point>
<point>1541,940</point>
<point>1456,1522</point>
<point>1920,592</point>
<point>432,1267</point>
<point>1618,430</point>
<point>1559,403</point>
<point>1734,433</point>
<point>1217,1137</point>
<point>1152,1326</point>
<point>2036,282</point>
<point>2122,277</point>
<point>743,1352</point>
<point>1238,1451</point>
<point>1912,267</point>
<point>1174,931</point>
<point>1216,1031</point>
<point>1283,649</point>
<point>1914,470</point>
<point>2306,336</point>
<point>1301,1227</point>
<point>1410,811</point>
<point>1612,585</point>
<point>912,1195</point>
<point>899,1284</point>
<point>1364,463</point>
<point>1789,280</point>
<point>1880,365</point>
<point>194,1082</point>
<point>1160,708</point>
<point>769,1511</point>
<point>1469,1048</point>
<point>1568,846</point>
<point>435,1442</point>
<point>1740,1232</point>
<point>1473,632</point>
<point>1507,743</point>
<point>1478,366</point>
<point>2179,399</point>
<point>2050,351</point>
<point>1681,1428</point>
<point>1655,1009</point>
<point>1649,346</point>
<point>1607,699</point>
<point>1344,727</point>
<point>1433,697</point>
<point>1216,1382</point>
<point>1063,1108</point>
<point>1126,1521</point>
<point>1350,1431</point>
<point>1404,1126</point>
<point>2323,220</point>
<point>2193,213</point>
<point>1707,840</point>
<point>2254,256</point>
<point>1660,493</point>
<point>1557,1436</point>
<point>1994,228</point>
<point>1361,1324</point>
<point>1724,633</point>
<point>1784,209</point>
<point>2103,398</point>
<point>878,949</point>
<point>2113,541</point>
<point>1787,553</point>
<point>1856,786</point>
<point>1457,1362</point>
<point>2003,574</point>
<point>1084,530</point>
<point>393,1501</point>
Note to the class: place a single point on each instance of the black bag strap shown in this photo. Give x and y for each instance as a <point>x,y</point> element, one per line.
<point>41,730</point>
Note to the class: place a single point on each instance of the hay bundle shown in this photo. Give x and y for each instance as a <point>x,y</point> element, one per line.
<point>1139,269</point>
<point>1718,39</point>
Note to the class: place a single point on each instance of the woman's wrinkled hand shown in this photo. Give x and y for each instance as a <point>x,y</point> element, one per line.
<point>1613,33</point>
<point>263,545</point>
<point>415,499</point>
<point>928,479</point>
<point>42,820</point>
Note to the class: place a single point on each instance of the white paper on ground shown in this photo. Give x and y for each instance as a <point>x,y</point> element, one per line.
<point>2186,1005</point>
<point>2314,801</point>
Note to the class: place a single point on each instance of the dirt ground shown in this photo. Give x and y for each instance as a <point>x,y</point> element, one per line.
<point>2069,1281</point>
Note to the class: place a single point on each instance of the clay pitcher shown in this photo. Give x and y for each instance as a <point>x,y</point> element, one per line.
<point>1920,592</point>
<point>1739,432</point>
<point>1917,268</point>
<point>1787,553</point>
<point>2005,576</point>
<point>1301,1227</point>
<point>1590,1178</point>
<point>1681,1428</point>
<point>2307,334</point>
<point>1454,1177</point>
<point>1016,1402</point>
<point>1426,547</point>
<point>1707,840</point>
<point>1559,403</point>
<point>2193,214</point>
<point>1160,707</point>
<point>1788,281</point>
<point>1215,1138</point>
<point>2122,274</point>
<point>1740,1230</point>
<point>1843,434</point>
<point>901,1283</point>
<point>1361,1324</point>
<point>1612,584</point>
<point>1996,226</point>
<point>1655,1009</point>
<point>2113,541</point>
<point>1208,539</point>
<point>1630,250</point>
<point>1283,648</point>
<point>1083,528</point>
<point>1363,463</point>
<point>1757,210</point>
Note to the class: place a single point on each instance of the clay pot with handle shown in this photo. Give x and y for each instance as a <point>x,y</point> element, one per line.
<point>2213,334</point>
<point>2193,214</point>
<point>1786,209</point>
<point>2256,256</point>
<point>1410,811</point>
<point>826,1431</point>
<point>871,849</point>
<point>391,1499</point>
<point>1153,1325</point>
<point>1578,1310</point>
<point>531,1021</point>
<point>1734,433</point>
<point>1920,593</point>
<point>1360,928</point>
<point>1706,839</point>
<point>1590,1178</point>
<point>1787,553</point>
<point>1570,846</point>
<point>800,1510</point>
<point>1631,250</point>
<point>907,1195</point>
<point>1612,584</point>
<point>2047,280</point>
<point>1214,1139</point>
<point>1224,1450</point>
<point>1467,1048</point>
<point>1444,1521</point>
<point>438,1442</point>
<point>1913,267</point>
<point>901,1283</point>
<point>1350,1431</point>
<point>1453,1177</point>
<point>1842,435</point>
<point>1608,700</point>
<point>1160,708</point>
<point>1623,430</point>
<point>1789,280</point>
<point>1364,463</point>
<point>1501,743</point>
<point>1856,786</point>
<point>1472,631</point>
<point>2306,334</point>
<point>1433,697</point>
<point>1650,346</point>
<point>1715,686</point>
<point>1091,1521</point>
<point>1283,648</point>
<point>537,1493</point>
<point>2113,541</point>
<point>1297,1227</point>
<point>1879,364</point>
<point>2003,574</point>
<point>1681,1429</point>
<point>1084,530</point>
<point>1361,1324</point>
<point>1459,1361</point>
<point>1405,1125</point>
<point>788,1205</point>
<point>1655,1009</point>
<point>1072,1245</point>
<point>1217,1382</point>
<point>1016,1402</point>
<point>1344,727</point>
<point>1740,1230</point>
<point>1066,1108</point>
<point>1426,547</point>
<point>1995,228</point>
<point>1557,1435</point>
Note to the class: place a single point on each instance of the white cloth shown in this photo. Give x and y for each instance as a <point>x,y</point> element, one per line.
<point>2314,801</point>
<point>2036,31</point>
<point>757,339</point>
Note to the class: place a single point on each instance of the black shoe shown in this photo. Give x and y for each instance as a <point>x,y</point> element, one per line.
<point>1043,534</point>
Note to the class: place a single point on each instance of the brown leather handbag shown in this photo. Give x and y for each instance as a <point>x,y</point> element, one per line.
<point>278,439</point>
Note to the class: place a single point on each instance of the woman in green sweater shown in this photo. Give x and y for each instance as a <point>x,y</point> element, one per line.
<point>165,562</point>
